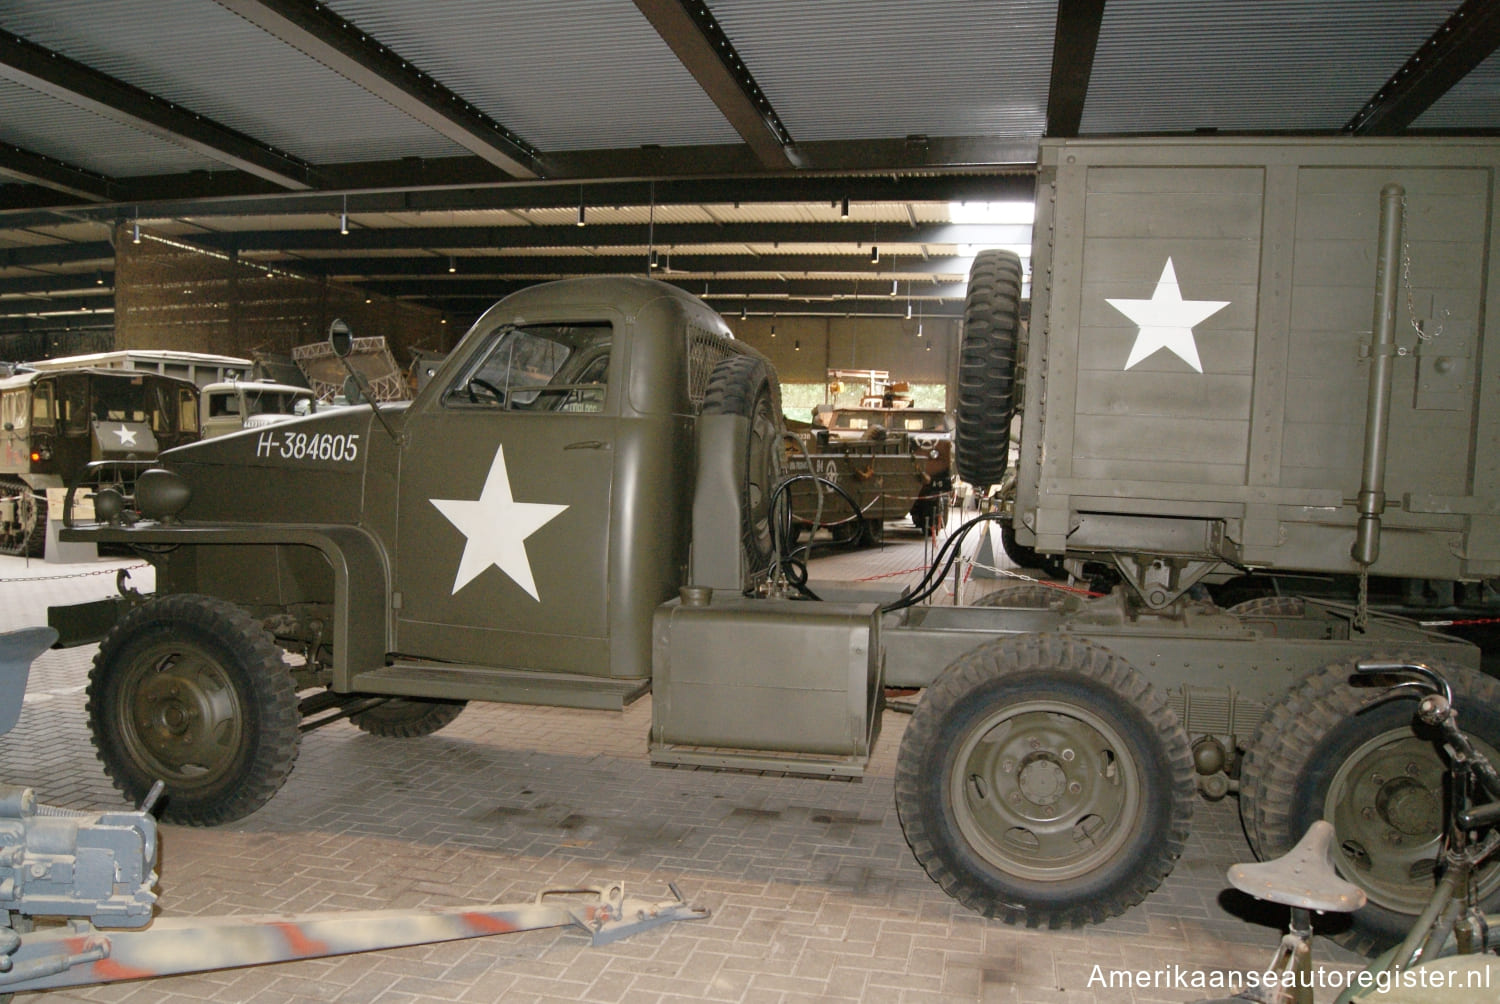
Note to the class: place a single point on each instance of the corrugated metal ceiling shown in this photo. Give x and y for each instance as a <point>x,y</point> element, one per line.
<point>212,62</point>
<point>574,75</point>
<point>1248,65</point>
<point>860,69</point>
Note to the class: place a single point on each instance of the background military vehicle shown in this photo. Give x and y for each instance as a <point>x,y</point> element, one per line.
<point>249,404</point>
<point>578,507</point>
<point>59,421</point>
<point>891,462</point>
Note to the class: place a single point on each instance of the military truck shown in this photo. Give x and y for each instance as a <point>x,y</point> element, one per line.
<point>885,464</point>
<point>250,404</point>
<point>58,424</point>
<point>582,505</point>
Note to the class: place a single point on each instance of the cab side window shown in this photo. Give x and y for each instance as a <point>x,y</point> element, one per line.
<point>544,367</point>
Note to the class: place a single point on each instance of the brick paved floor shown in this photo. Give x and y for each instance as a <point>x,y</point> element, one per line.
<point>815,895</point>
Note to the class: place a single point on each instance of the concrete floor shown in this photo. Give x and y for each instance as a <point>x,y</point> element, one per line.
<point>815,895</point>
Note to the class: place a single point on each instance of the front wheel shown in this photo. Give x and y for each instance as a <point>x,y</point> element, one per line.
<point>190,690</point>
<point>1043,780</point>
<point>1378,775</point>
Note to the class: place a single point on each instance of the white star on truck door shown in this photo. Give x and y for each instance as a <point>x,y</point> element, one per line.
<point>127,436</point>
<point>496,527</point>
<point>1166,320</point>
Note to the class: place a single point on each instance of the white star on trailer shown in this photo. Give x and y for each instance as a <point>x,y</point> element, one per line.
<point>127,436</point>
<point>496,527</point>
<point>1166,320</point>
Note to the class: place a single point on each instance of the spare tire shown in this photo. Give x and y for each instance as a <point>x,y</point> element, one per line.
<point>987,367</point>
<point>746,386</point>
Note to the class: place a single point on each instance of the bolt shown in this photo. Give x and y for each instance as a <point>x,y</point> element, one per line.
<point>1074,787</point>
<point>1015,796</point>
<point>1068,754</point>
<point>1412,769</point>
<point>1377,779</point>
<point>1007,765</point>
<point>1367,812</point>
<point>1392,837</point>
<point>1035,743</point>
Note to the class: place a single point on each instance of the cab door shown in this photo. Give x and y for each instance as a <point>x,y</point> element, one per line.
<point>503,535</point>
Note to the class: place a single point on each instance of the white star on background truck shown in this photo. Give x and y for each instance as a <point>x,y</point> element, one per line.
<point>1166,320</point>
<point>496,527</point>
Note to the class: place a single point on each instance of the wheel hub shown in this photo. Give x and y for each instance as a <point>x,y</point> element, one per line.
<point>1042,780</point>
<point>1043,793</point>
<point>1409,807</point>
<point>184,718</point>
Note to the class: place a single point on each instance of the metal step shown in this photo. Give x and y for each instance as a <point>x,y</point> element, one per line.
<point>511,686</point>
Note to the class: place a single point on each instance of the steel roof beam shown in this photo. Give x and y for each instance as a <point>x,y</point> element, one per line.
<point>464,183</point>
<point>22,165</point>
<point>792,289</point>
<point>1464,41</point>
<point>1073,46</point>
<point>73,282</point>
<point>23,307</point>
<point>602,235</point>
<point>44,255</point>
<point>103,320</point>
<point>694,35</point>
<point>318,31</point>
<point>56,75</point>
<point>418,268</point>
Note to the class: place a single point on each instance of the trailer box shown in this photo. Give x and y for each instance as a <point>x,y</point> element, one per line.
<point>1206,317</point>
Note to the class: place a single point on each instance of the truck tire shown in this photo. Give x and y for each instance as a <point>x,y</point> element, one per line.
<point>1044,780</point>
<point>26,536</point>
<point>1377,776</point>
<point>1023,595</point>
<point>744,386</point>
<point>192,691</point>
<point>1050,565</point>
<point>987,367</point>
<point>407,717</point>
<point>1270,606</point>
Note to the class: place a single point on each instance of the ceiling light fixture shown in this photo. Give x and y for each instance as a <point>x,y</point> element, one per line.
<point>452,265</point>
<point>98,278</point>
<point>744,312</point>
<point>797,346</point>
<point>773,325</point>
<point>874,254</point>
<point>344,218</point>
<point>135,237</point>
<point>844,210</point>
<point>893,287</point>
<point>652,259</point>
<point>580,206</point>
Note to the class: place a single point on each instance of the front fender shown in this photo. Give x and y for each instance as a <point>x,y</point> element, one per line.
<point>361,629</point>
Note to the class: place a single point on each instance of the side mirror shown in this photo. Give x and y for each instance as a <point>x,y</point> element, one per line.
<point>340,338</point>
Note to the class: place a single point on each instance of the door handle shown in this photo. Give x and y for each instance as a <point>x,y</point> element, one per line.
<point>588,444</point>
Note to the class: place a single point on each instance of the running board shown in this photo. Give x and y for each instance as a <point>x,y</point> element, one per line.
<point>510,686</point>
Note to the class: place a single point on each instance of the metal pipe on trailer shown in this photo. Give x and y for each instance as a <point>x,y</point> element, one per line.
<point>1371,501</point>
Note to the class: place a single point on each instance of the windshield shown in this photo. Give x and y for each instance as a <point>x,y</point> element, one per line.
<point>550,367</point>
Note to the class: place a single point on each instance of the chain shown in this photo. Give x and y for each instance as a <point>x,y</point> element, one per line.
<point>76,575</point>
<point>1362,610</point>
<point>1411,307</point>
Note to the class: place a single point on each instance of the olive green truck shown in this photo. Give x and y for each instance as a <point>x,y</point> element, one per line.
<point>1240,355</point>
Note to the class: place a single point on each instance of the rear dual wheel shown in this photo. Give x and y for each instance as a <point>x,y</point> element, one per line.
<point>1043,780</point>
<point>1375,773</point>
